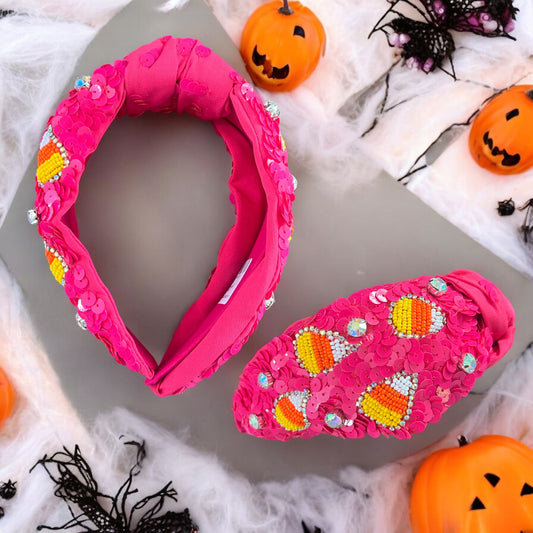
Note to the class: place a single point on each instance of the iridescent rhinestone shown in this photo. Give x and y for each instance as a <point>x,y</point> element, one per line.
<point>265,380</point>
<point>85,81</point>
<point>469,363</point>
<point>270,302</point>
<point>81,322</point>
<point>272,109</point>
<point>33,218</point>
<point>256,421</point>
<point>294,182</point>
<point>335,419</point>
<point>356,327</point>
<point>437,286</point>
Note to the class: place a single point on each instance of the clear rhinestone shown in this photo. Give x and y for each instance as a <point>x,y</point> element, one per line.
<point>265,380</point>
<point>81,322</point>
<point>469,363</point>
<point>33,217</point>
<point>334,420</point>
<point>270,302</point>
<point>356,327</point>
<point>272,109</point>
<point>256,421</point>
<point>437,286</point>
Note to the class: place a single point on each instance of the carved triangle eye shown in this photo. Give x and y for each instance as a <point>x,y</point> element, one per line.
<point>477,505</point>
<point>526,489</point>
<point>298,30</point>
<point>493,479</point>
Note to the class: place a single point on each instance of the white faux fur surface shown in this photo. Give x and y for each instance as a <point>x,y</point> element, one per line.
<point>323,122</point>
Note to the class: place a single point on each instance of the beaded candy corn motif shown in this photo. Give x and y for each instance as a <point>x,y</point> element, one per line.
<point>52,158</point>
<point>416,317</point>
<point>389,402</point>
<point>289,410</point>
<point>319,351</point>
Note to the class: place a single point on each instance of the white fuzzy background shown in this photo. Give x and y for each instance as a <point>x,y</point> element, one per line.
<point>322,122</point>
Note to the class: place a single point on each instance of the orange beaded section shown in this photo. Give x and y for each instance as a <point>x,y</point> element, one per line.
<point>50,162</point>
<point>288,416</point>
<point>412,316</point>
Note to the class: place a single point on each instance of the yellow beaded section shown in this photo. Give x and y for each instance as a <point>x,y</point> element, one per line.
<point>380,413</point>
<point>57,264</point>
<point>50,168</point>
<point>57,270</point>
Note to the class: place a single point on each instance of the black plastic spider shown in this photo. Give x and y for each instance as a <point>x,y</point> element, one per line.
<point>8,489</point>
<point>506,207</point>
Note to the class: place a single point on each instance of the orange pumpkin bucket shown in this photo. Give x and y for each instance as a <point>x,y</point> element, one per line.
<point>500,137</point>
<point>282,44</point>
<point>485,487</point>
<point>6,397</point>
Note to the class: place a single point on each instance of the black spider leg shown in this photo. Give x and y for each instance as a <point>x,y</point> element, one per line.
<point>307,530</point>
<point>381,111</point>
<point>125,490</point>
<point>82,493</point>
<point>154,504</point>
<point>391,9</point>
<point>527,226</point>
<point>413,169</point>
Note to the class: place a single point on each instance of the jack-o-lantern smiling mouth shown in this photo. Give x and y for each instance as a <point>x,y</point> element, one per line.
<point>508,159</point>
<point>261,60</point>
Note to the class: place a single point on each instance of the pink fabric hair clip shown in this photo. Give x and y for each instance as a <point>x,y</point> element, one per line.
<point>168,75</point>
<point>388,360</point>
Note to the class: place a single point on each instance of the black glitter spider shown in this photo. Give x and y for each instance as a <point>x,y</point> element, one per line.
<point>506,207</point>
<point>426,42</point>
<point>89,508</point>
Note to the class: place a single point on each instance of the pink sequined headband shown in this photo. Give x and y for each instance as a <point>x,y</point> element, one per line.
<point>172,75</point>
<point>385,361</point>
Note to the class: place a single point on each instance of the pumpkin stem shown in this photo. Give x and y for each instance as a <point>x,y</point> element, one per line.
<point>462,440</point>
<point>529,94</point>
<point>285,9</point>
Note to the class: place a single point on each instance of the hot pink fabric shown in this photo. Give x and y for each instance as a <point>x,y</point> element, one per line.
<point>177,75</point>
<point>475,318</point>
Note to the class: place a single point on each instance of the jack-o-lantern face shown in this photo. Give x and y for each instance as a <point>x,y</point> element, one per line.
<point>500,137</point>
<point>482,487</point>
<point>281,45</point>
